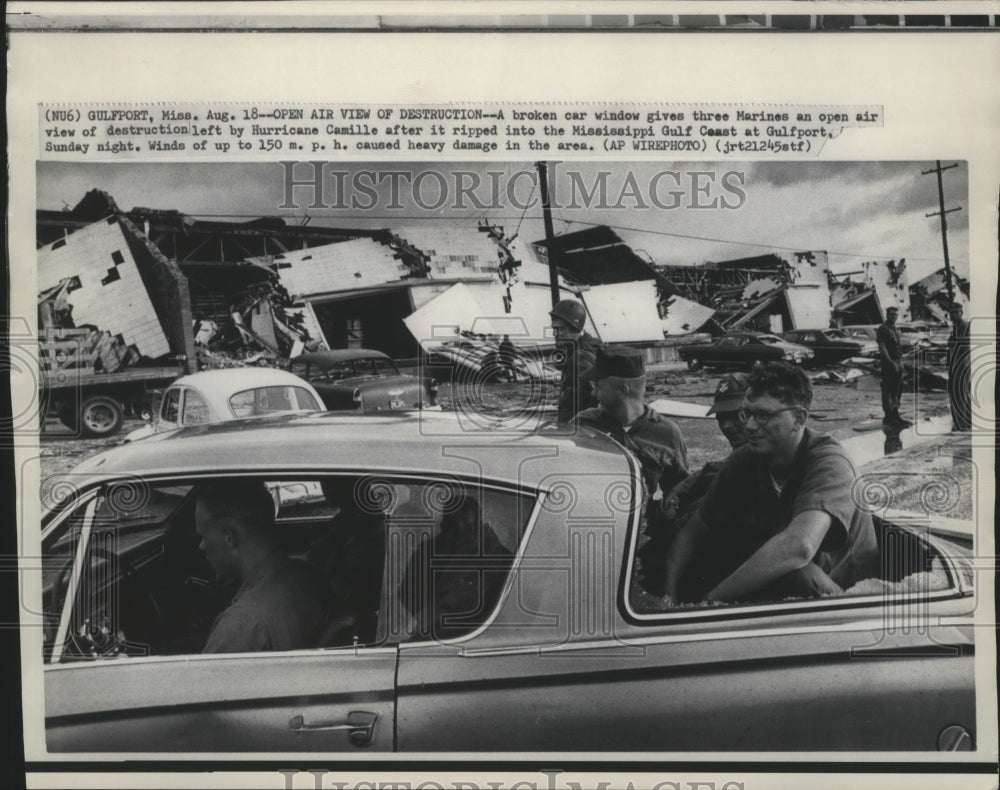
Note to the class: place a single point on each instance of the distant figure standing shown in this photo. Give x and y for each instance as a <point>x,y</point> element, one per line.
<point>890,350</point>
<point>508,358</point>
<point>576,352</point>
<point>959,371</point>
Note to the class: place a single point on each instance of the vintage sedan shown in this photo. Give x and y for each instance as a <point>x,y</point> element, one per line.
<point>533,637</point>
<point>830,346</point>
<point>742,350</point>
<point>361,378</point>
<point>228,394</point>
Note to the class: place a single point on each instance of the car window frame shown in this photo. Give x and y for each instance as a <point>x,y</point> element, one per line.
<point>739,612</point>
<point>92,494</point>
<point>182,411</point>
<point>87,500</point>
<point>177,391</point>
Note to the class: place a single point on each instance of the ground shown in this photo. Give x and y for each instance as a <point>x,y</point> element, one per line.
<point>837,409</point>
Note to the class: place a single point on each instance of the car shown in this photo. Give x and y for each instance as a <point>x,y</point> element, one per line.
<point>362,378</point>
<point>742,350</point>
<point>910,335</point>
<point>227,394</point>
<point>552,647</point>
<point>830,346</point>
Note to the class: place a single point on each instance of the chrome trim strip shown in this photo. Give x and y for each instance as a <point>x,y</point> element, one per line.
<point>626,641</point>
<point>74,581</point>
<point>508,584</point>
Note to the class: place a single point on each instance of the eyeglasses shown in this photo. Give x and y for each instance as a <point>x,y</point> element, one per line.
<point>760,416</point>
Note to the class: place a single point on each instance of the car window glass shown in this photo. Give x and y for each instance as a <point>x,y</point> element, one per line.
<point>271,400</point>
<point>357,560</point>
<point>729,341</point>
<point>171,404</point>
<point>385,367</point>
<point>195,409</point>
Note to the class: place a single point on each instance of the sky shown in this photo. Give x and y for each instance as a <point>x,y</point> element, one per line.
<point>676,213</point>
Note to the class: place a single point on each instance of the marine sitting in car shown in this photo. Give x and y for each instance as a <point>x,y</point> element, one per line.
<point>281,603</point>
<point>779,520</point>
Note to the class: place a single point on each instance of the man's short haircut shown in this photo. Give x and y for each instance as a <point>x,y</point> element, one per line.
<point>891,310</point>
<point>248,501</point>
<point>785,382</point>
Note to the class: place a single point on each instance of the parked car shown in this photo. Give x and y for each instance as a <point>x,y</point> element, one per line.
<point>552,648</point>
<point>831,345</point>
<point>743,350</point>
<point>910,335</point>
<point>361,378</point>
<point>227,394</point>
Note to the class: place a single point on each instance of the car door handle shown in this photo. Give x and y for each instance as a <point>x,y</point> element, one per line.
<point>360,725</point>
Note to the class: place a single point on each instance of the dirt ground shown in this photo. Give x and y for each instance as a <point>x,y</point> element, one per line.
<point>836,409</point>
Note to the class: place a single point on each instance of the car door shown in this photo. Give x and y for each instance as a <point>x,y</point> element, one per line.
<point>576,662</point>
<point>106,689</point>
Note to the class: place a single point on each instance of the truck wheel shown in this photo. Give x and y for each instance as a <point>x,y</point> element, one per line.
<point>694,363</point>
<point>101,416</point>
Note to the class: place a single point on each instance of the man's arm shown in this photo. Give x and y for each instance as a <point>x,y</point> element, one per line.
<point>681,552</point>
<point>791,549</point>
<point>883,350</point>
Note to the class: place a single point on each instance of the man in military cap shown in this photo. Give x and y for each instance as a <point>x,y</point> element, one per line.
<point>959,371</point>
<point>619,382</point>
<point>575,352</point>
<point>682,502</point>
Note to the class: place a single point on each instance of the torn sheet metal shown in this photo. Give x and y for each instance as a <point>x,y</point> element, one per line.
<point>891,285</point>
<point>107,289</point>
<point>343,266</point>
<point>682,316</point>
<point>625,312</point>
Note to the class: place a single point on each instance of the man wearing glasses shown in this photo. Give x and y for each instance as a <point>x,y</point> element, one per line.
<point>780,519</point>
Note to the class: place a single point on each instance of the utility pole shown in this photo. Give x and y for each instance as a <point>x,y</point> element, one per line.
<point>543,185</point>
<point>943,212</point>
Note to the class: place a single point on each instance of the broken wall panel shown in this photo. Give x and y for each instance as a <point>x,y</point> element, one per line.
<point>110,294</point>
<point>891,285</point>
<point>454,252</point>
<point>682,316</point>
<point>625,312</point>
<point>809,268</point>
<point>808,306</point>
<point>337,267</point>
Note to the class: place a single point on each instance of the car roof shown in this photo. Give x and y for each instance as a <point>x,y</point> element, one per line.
<point>378,442</point>
<point>235,379</point>
<point>336,355</point>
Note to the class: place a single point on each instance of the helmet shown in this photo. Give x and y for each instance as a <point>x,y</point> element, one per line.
<point>570,311</point>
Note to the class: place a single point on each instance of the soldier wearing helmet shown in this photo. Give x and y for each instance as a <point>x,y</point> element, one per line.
<point>575,352</point>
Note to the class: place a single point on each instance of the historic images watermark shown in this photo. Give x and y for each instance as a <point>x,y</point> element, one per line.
<point>326,185</point>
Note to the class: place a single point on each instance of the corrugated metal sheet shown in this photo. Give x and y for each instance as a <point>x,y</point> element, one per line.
<point>684,316</point>
<point>343,266</point>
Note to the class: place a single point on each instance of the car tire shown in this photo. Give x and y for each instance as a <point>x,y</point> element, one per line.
<point>101,416</point>
<point>694,363</point>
